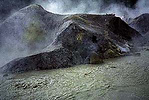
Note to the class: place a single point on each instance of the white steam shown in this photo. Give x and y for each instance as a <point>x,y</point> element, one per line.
<point>94,7</point>
<point>71,6</point>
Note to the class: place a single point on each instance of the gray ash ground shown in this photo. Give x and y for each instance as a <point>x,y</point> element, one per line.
<point>125,78</point>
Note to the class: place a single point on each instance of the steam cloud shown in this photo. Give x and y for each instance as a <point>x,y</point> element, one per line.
<point>94,7</point>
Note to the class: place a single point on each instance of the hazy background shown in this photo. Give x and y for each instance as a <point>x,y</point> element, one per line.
<point>122,8</point>
<point>7,7</point>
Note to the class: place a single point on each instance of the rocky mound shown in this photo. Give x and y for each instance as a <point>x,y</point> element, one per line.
<point>78,39</point>
<point>27,32</point>
<point>141,23</point>
<point>104,36</point>
<point>59,58</point>
<point>30,28</point>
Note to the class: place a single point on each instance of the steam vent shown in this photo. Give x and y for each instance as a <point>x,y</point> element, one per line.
<point>74,56</point>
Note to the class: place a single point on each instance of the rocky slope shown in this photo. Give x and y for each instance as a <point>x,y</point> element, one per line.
<point>27,32</point>
<point>29,27</point>
<point>141,24</point>
<point>91,37</point>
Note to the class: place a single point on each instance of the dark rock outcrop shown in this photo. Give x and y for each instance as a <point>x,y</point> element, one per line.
<point>59,58</point>
<point>141,23</point>
<point>83,39</point>
<point>106,35</point>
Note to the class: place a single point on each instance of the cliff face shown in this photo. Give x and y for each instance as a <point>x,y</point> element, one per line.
<point>141,24</point>
<point>91,37</point>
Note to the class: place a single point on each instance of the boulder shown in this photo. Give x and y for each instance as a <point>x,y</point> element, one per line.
<point>59,58</point>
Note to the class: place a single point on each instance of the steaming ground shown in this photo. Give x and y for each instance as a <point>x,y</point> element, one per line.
<point>123,78</point>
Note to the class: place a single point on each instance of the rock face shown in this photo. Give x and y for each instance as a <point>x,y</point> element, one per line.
<point>104,35</point>
<point>141,23</point>
<point>79,39</point>
<point>59,58</point>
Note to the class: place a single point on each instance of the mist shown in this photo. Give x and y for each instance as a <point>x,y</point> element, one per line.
<point>95,7</point>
